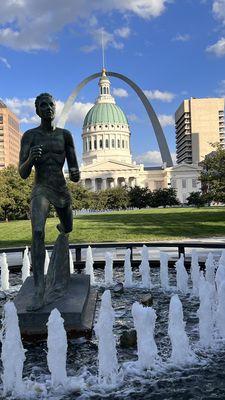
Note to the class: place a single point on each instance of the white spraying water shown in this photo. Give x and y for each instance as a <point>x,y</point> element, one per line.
<point>164,278</point>
<point>128,276</point>
<point>46,262</point>
<point>26,265</point>
<point>145,269</point>
<point>195,272</point>
<point>144,323</point>
<point>220,313</point>
<point>210,269</point>
<point>107,354</point>
<point>13,353</point>
<point>181,351</point>
<point>109,269</point>
<point>71,262</point>
<point>89,270</point>
<point>57,349</point>
<point>205,312</point>
<point>181,275</point>
<point>220,273</point>
<point>4,272</point>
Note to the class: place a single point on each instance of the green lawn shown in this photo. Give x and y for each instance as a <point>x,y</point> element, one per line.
<point>143,225</point>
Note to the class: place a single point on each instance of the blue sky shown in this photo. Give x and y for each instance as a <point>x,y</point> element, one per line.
<point>173,49</point>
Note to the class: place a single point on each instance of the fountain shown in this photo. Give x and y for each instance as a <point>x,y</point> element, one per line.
<point>13,353</point>
<point>71,262</point>
<point>164,278</point>
<point>181,351</point>
<point>89,270</point>
<point>57,349</point>
<point>205,312</point>
<point>26,265</point>
<point>220,313</point>
<point>108,269</point>
<point>144,323</point>
<point>195,273</point>
<point>210,269</point>
<point>182,275</point>
<point>128,280</point>
<point>145,269</point>
<point>107,354</point>
<point>4,273</point>
<point>220,273</point>
<point>46,262</point>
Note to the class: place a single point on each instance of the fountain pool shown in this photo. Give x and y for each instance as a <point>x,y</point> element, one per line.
<point>203,380</point>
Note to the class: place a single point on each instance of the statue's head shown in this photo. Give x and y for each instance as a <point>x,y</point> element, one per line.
<point>45,106</point>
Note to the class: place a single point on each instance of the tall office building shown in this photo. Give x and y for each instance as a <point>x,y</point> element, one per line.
<point>198,123</point>
<point>10,137</point>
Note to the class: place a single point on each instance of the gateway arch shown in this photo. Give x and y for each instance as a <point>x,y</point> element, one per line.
<point>162,143</point>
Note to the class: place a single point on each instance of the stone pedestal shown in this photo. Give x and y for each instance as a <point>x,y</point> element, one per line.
<point>77,307</point>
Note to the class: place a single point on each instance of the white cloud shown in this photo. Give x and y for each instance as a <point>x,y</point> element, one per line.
<point>119,92</point>
<point>218,48</point>
<point>181,38</point>
<point>221,89</point>
<point>166,120</point>
<point>133,118</point>
<point>219,9</point>
<point>152,158</point>
<point>25,110</point>
<point>5,62</point>
<point>100,34</point>
<point>123,32</point>
<point>33,25</point>
<point>158,95</point>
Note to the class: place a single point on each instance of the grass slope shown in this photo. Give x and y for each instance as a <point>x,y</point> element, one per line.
<point>141,225</point>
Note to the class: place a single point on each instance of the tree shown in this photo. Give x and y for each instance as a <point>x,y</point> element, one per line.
<point>81,196</point>
<point>196,199</point>
<point>213,174</point>
<point>15,194</point>
<point>164,197</point>
<point>139,197</point>
<point>117,198</point>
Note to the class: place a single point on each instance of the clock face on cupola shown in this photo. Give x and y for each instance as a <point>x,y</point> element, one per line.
<point>106,133</point>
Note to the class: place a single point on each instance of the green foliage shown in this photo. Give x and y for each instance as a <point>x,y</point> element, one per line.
<point>164,197</point>
<point>139,197</point>
<point>196,199</point>
<point>213,174</point>
<point>15,194</point>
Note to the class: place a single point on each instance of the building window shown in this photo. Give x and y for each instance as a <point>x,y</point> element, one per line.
<point>95,144</point>
<point>106,126</point>
<point>184,184</point>
<point>90,145</point>
<point>86,146</point>
<point>1,118</point>
<point>123,144</point>
<point>104,90</point>
<point>194,183</point>
<point>106,143</point>
<point>100,143</point>
<point>118,143</point>
<point>113,143</point>
<point>100,126</point>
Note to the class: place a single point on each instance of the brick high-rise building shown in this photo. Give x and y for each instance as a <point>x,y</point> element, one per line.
<point>198,122</point>
<point>10,137</point>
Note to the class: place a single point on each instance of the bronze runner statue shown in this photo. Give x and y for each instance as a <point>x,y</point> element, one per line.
<point>46,148</point>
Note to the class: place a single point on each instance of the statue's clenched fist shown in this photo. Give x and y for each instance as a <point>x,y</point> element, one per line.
<point>36,153</point>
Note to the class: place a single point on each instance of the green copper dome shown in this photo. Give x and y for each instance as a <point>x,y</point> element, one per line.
<point>105,113</point>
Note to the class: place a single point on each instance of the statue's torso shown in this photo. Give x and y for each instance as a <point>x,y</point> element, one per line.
<point>49,177</point>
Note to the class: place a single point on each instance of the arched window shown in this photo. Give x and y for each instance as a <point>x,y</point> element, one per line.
<point>118,143</point>
<point>86,146</point>
<point>100,143</point>
<point>90,145</point>
<point>95,144</point>
<point>108,90</point>
<point>113,143</point>
<point>107,143</point>
<point>104,90</point>
<point>123,144</point>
